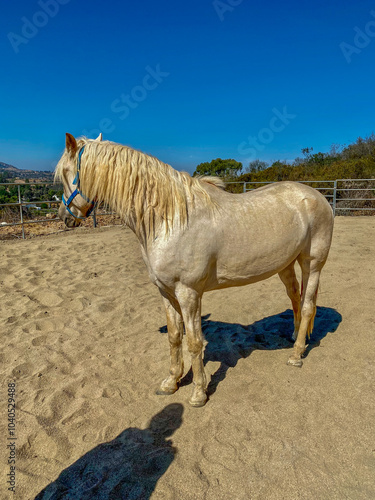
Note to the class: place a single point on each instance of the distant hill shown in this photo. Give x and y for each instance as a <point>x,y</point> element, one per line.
<point>5,166</point>
<point>10,173</point>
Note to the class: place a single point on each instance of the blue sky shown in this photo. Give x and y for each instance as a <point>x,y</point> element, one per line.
<point>185,81</point>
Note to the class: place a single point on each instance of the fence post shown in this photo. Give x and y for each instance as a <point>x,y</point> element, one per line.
<point>334,197</point>
<point>21,214</point>
<point>94,217</point>
<point>244,187</point>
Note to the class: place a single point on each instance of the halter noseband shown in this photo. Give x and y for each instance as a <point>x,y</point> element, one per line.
<point>77,191</point>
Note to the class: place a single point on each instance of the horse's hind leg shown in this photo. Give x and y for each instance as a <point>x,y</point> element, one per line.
<point>310,283</point>
<point>288,277</point>
<point>175,334</point>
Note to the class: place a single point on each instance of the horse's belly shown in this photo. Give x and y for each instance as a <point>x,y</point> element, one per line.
<point>227,277</point>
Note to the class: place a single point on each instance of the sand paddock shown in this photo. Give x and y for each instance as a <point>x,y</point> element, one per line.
<point>83,337</point>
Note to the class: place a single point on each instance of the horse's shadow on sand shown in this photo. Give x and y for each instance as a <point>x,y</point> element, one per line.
<point>229,342</point>
<point>128,467</point>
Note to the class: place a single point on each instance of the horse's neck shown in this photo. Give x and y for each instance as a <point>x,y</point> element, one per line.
<point>139,220</point>
<point>139,214</point>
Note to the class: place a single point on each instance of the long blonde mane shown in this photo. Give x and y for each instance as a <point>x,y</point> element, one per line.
<point>139,187</point>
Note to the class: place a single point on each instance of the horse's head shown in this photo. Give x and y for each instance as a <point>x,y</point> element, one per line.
<point>75,206</point>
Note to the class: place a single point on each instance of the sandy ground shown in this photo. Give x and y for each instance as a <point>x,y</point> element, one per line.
<point>83,338</point>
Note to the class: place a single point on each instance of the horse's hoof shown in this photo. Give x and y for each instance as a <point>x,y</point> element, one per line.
<point>160,392</point>
<point>198,402</point>
<point>167,387</point>
<point>295,362</point>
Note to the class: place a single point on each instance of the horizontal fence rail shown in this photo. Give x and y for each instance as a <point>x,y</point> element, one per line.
<point>344,196</point>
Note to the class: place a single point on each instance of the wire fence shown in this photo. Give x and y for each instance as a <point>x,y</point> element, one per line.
<point>346,197</point>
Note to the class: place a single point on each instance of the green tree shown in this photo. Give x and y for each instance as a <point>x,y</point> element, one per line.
<point>256,166</point>
<point>228,169</point>
<point>4,196</point>
<point>359,149</point>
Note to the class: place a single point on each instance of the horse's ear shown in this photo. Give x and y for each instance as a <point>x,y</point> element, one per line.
<point>70,143</point>
<point>100,137</point>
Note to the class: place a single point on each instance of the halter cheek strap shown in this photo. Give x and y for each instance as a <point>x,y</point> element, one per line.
<point>69,201</point>
<point>76,182</point>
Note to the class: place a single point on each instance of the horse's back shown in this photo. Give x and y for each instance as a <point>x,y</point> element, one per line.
<point>277,202</point>
<point>288,192</point>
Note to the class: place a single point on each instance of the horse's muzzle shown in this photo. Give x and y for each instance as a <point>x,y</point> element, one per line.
<point>67,218</point>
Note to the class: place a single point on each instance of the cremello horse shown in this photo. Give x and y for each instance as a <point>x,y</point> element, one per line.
<point>196,237</point>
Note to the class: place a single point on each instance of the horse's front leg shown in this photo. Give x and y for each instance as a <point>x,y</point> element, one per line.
<point>190,303</point>
<point>175,334</point>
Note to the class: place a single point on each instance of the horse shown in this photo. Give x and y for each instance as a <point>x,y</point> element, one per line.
<point>196,237</point>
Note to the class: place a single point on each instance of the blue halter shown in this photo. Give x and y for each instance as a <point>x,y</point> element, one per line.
<point>77,191</point>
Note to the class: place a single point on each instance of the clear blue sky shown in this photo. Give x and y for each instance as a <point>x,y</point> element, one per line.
<point>185,81</point>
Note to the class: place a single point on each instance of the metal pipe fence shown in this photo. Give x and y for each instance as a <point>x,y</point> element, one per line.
<point>34,207</point>
<point>340,193</point>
